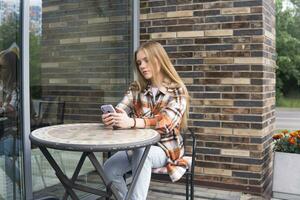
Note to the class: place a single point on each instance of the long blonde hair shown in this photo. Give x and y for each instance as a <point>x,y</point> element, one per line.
<point>156,53</point>
<point>10,58</point>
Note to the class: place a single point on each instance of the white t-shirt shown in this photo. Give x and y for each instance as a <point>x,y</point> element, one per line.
<point>154,92</point>
<point>9,98</point>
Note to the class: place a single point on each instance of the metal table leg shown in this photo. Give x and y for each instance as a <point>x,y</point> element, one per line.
<point>60,175</point>
<point>69,184</point>
<point>76,172</point>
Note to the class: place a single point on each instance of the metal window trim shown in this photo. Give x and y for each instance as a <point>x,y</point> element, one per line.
<point>136,31</point>
<point>25,99</point>
<point>136,24</point>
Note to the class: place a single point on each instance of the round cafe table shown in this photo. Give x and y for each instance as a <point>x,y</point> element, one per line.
<point>89,138</point>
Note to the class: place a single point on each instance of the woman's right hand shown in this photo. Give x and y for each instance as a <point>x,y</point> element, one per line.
<point>108,119</point>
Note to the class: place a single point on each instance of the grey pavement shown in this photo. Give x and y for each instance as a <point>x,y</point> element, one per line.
<point>166,191</point>
<point>174,191</point>
<point>158,191</point>
<point>287,118</point>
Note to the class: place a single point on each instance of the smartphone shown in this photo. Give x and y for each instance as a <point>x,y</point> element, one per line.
<point>107,109</point>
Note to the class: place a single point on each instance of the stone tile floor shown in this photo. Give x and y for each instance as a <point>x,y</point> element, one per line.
<point>167,191</point>
<point>158,191</point>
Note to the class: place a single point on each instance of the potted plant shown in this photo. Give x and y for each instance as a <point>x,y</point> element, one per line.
<point>286,174</point>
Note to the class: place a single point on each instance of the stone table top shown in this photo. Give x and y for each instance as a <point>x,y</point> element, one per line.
<point>92,137</point>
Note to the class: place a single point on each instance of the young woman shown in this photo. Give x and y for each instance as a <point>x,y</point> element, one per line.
<point>9,104</point>
<point>158,99</point>
<point>8,78</point>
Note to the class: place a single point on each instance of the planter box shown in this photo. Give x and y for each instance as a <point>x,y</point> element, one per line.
<point>286,176</point>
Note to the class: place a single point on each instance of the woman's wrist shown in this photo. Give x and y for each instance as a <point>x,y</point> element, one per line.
<point>140,123</point>
<point>133,122</point>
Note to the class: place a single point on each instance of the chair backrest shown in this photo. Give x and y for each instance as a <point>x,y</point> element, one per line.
<point>189,141</point>
<point>49,112</point>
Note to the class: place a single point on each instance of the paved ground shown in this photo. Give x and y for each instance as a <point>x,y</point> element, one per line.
<point>157,191</point>
<point>285,119</point>
<point>167,191</point>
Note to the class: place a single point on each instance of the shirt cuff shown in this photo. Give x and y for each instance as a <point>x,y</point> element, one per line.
<point>150,122</point>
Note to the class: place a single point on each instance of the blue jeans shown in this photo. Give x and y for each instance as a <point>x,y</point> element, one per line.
<point>9,147</point>
<point>119,164</point>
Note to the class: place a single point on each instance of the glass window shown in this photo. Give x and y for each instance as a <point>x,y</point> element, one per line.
<point>10,106</point>
<point>80,58</point>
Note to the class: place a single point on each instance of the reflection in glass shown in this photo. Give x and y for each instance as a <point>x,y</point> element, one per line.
<point>10,131</point>
<point>80,58</point>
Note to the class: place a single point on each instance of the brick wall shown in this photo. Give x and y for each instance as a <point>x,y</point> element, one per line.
<point>225,52</point>
<point>86,54</point>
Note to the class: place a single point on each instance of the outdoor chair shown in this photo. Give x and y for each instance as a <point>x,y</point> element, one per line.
<point>48,112</point>
<point>189,140</point>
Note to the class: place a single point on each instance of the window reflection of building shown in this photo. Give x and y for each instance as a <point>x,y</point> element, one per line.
<point>8,10</point>
<point>85,58</point>
<point>85,61</point>
<point>36,19</point>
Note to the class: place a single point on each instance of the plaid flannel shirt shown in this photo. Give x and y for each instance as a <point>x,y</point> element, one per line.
<point>164,115</point>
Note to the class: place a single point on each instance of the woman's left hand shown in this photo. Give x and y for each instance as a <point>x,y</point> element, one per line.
<point>121,119</point>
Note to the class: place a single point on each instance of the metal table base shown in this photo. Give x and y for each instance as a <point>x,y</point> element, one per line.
<point>69,184</point>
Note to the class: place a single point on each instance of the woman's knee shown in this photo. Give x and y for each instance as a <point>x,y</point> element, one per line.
<point>110,169</point>
<point>116,165</point>
<point>106,166</point>
<point>157,157</point>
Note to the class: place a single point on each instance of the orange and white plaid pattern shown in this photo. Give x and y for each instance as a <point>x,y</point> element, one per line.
<point>164,115</point>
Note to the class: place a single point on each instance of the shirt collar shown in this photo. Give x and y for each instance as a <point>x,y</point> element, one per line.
<point>167,86</point>
<point>148,90</point>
